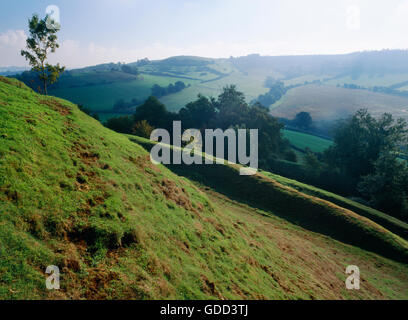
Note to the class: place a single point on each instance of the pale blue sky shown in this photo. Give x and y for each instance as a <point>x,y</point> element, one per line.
<point>97,31</point>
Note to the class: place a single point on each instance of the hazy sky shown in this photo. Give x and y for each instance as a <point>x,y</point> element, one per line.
<point>97,31</point>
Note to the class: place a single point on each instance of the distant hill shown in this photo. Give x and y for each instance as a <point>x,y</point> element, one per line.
<point>9,71</point>
<point>325,102</point>
<point>99,87</point>
<point>79,196</point>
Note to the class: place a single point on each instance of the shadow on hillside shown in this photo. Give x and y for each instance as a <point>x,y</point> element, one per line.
<point>305,211</point>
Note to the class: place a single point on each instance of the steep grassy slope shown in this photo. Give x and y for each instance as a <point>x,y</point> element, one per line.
<point>79,196</point>
<point>264,191</point>
<point>393,224</point>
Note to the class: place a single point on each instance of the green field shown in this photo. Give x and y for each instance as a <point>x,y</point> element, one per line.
<point>303,141</point>
<point>99,87</point>
<point>251,86</point>
<point>99,90</point>
<point>325,102</point>
<point>77,195</point>
<point>103,96</point>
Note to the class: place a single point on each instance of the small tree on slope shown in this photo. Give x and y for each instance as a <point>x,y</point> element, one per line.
<point>42,40</point>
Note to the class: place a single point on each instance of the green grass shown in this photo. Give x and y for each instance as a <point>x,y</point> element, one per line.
<point>397,226</point>
<point>303,140</point>
<point>104,96</point>
<point>251,86</point>
<point>108,87</point>
<point>316,215</point>
<point>77,195</point>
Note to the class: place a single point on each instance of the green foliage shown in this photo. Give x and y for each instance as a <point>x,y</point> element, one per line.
<point>312,163</point>
<point>121,124</point>
<point>199,113</point>
<point>130,69</point>
<point>154,112</point>
<point>302,120</point>
<point>359,141</point>
<point>142,129</point>
<point>159,91</point>
<point>232,108</point>
<point>276,91</point>
<point>42,40</point>
<point>122,106</point>
<point>229,110</point>
<point>290,155</point>
<point>387,187</point>
<point>366,149</point>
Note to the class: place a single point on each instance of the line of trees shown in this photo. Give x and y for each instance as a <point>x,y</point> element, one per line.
<point>229,110</point>
<point>159,91</point>
<point>378,89</point>
<point>122,106</point>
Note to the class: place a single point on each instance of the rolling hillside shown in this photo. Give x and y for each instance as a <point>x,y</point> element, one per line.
<point>99,87</point>
<point>79,196</point>
<point>325,102</point>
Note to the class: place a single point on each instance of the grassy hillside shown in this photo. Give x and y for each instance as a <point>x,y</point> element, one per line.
<point>102,96</point>
<point>99,87</point>
<point>317,215</point>
<point>79,196</point>
<point>398,227</point>
<point>325,102</point>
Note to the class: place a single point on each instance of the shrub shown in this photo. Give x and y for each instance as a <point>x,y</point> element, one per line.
<point>142,129</point>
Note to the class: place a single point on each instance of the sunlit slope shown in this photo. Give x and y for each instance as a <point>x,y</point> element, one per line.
<point>77,195</point>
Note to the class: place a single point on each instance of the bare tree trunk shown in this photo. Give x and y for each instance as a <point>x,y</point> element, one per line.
<point>45,87</point>
<point>44,78</point>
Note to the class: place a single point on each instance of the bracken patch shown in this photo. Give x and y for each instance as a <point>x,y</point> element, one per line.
<point>56,106</point>
<point>176,194</point>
